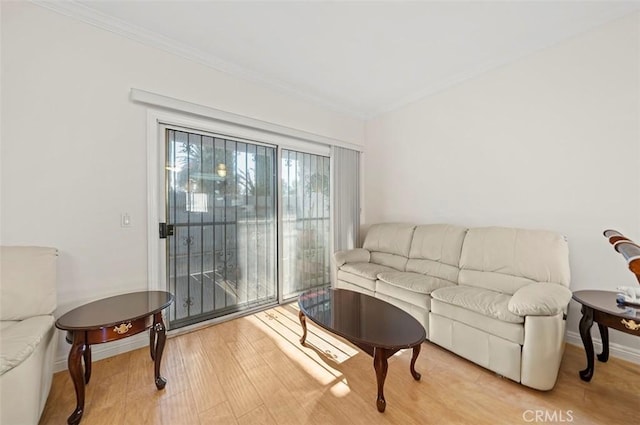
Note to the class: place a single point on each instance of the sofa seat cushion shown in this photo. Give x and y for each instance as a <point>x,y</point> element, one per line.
<point>385,291</point>
<point>20,338</point>
<point>414,282</point>
<point>366,270</point>
<point>513,332</point>
<point>488,303</point>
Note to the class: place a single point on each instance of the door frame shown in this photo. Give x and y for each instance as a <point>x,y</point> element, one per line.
<point>242,128</point>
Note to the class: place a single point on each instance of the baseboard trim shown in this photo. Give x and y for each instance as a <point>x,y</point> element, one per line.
<point>615,350</point>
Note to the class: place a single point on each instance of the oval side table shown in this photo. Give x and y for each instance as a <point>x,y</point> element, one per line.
<point>601,307</point>
<point>111,319</point>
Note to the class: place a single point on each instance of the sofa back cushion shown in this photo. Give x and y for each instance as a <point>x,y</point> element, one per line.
<point>389,244</point>
<point>27,281</point>
<point>506,259</point>
<point>435,251</point>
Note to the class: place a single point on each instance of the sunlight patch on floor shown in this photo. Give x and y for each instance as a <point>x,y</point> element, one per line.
<point>291,311</point>
<point>340,389</point>
<point>316,356</point>
<point>308,359</point>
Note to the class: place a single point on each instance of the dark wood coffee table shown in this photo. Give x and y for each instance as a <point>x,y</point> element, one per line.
<point>377,327</point>
<point>601,307</point>
<point>111,319</point>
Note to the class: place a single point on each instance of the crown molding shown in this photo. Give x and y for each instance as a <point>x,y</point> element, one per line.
<point>95,18</point>
<point>479,70</point>
<point>81,12</point>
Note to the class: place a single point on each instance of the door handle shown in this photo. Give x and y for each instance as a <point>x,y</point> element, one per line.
<point>166,230</point>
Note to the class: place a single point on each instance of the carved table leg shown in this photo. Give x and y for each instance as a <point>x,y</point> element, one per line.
<point>416,352</point>
<point>152,342</point>
<point>604,334</point>
<point>585,326</point>
<point>303,322</point>
<point>87,363</point>
<point>74,363</point>
<point>160,332</point>
<point>381,365</point>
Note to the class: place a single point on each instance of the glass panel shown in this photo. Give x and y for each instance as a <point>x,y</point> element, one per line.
<point>221,202</point>
<point>306,219</point>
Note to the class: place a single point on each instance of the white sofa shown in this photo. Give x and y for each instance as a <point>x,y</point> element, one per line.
<point>494,295</point>
<point>27,331</point>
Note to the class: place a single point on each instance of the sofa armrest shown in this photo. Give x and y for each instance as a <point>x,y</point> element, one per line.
<point>357,255</point>
<point>540,299</point>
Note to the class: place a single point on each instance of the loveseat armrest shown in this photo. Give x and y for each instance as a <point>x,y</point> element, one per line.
<point>540,299</point>
<point>357,255</point>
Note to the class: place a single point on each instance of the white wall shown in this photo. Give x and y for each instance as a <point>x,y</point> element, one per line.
<point>74,147</point>
<point>551,141</point>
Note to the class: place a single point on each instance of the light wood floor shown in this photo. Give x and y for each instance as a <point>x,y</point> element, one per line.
<point>254,371</point>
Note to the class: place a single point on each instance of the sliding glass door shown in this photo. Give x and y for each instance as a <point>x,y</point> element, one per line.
<point>221,225</point>
<point>305,221</point>
<point>221,208</point>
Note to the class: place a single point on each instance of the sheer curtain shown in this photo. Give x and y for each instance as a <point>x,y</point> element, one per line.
<point>346,199</point>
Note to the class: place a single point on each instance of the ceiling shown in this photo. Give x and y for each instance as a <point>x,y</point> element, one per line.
<point>359,57</point>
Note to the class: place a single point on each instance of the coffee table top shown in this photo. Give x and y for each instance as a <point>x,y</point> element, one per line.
<point>114,310</point>
<point>361,318</point>
<point>605,301</point>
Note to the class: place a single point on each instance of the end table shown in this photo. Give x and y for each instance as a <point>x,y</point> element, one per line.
<point>601,307</point>
<point>111,319</point>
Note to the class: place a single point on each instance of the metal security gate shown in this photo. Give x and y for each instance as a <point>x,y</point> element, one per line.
<point>221,225</point>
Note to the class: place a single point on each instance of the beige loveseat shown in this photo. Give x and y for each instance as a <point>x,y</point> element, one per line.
<point>496,296</point>
<point>27,331</point>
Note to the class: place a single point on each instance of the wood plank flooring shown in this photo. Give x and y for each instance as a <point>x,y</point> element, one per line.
<point>253,371</point>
